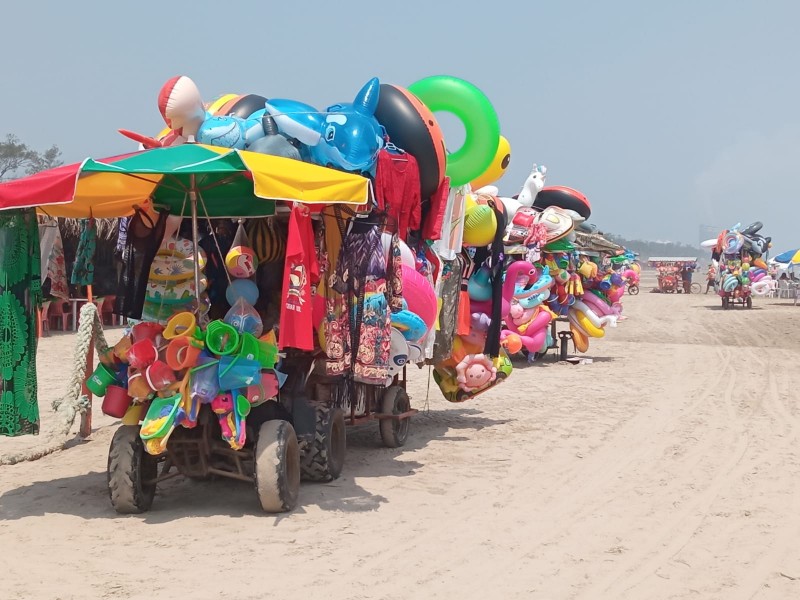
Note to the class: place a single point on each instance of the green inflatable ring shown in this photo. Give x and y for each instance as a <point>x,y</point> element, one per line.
<point>471,106</point>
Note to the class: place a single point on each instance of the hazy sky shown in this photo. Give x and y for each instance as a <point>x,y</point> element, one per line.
<point>667,115</point>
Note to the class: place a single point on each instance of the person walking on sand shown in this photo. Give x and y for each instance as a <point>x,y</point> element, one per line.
<point>711,278</point>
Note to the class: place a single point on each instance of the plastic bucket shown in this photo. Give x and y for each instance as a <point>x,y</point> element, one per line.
<point>221,338</point>
<point>204,382</point>
<point>137,385</point>
<point>182,353</point>
<point>146,331</point>
<point>99,381</point>
<point>159,376</point>
<point>116,402</point>
<point>264,390</point>
<point>237,372</point>
<point>184,324</point>
<point>254,349</point>
<point>142,354</point>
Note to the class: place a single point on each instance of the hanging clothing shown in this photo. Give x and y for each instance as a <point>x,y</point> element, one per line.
<point>48,228</point>
<point>57,269</point>
<point>142,242</point>
<point>300,273</point>
<point>122,234</point>
<point>450,287</point>
<point>435,215</point>
<point>20,299</point>
<point>397,192</point>
<point>464,314</point>
<point>215,271</point>
<point>452,228</point>
<point>83,268</point>
<point>358,321</point>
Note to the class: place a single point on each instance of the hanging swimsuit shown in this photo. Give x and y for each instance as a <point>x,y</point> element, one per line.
<point>141,246</point>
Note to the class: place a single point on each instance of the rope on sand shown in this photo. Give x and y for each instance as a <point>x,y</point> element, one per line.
<point>73,403</point>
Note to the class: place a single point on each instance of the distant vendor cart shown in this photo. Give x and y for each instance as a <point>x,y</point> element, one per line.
<point>674,274</point>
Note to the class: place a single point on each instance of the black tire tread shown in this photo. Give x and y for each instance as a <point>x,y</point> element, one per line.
<point>128,465</point>
<point>316,462</point>
<point>276,485</point>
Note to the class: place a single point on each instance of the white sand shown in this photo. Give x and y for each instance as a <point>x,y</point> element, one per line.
<point>668,468</point>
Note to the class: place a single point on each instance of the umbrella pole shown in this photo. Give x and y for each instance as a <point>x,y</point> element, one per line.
<point>195,241</point>
<point>86,417</point>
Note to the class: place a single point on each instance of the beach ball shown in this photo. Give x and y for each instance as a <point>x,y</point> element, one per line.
<point>241,262</point>
<point>419,295</point>
<point>242,288</point>
<point>480,224</point>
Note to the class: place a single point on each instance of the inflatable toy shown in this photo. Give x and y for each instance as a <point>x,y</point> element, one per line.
<point>475,111</point>
<point>181,106</point>
<point>411,126</point>
<point>241,262</point>
<point>242,288</point>
<point>419,294</point>
<point>558,224</point>
<point>480,223</point>
<point>398,355</point>
<point>530,189</point>
<point>500,162</point>
<point>296,120</point>
<point>474,372</point>
<point>409,324</point>
<point>563,197</point>
<point>351,135</point>
<point>273,143</point>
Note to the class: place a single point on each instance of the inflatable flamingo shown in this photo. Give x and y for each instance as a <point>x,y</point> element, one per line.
<point>530,324</point>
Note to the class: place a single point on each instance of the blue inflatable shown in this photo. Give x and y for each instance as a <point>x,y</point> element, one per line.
<point>351,135</point>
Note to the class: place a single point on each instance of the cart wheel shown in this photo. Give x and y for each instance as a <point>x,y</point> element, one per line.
<point>695,288</point>
<point>394,432</point>
<point>749,302</point>
<point>725,303</point>
<point>277,468</point>
<point>633,290</point>
<point>324,457</point>
<point>132,472</point>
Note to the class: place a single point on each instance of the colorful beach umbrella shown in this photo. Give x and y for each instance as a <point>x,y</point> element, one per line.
<point>790,256</point>
<point>227,183</point>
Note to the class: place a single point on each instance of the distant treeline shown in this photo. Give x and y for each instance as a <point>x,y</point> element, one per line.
<point>647,249</point>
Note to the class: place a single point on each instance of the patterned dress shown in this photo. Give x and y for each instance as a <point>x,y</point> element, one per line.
<point>20,298</point>
<point>358,320</point>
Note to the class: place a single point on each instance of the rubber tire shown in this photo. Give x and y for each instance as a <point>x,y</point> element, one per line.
<point>725,303</point>
<point>323,459</point>
<point>633,290</point>
<point>695,288</point>
<point>277,466</point>
<point>394,433</point>
<point>749,302</point>
<point>129,467</point>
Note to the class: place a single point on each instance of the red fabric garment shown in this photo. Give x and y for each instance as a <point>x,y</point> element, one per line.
<point>397,191</point>
<point>432,228</point>
<point>301,271</point>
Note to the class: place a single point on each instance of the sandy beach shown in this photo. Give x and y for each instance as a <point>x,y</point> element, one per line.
<point>667,468</point>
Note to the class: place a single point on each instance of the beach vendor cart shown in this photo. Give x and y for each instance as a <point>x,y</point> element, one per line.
<point>670,271</point>
<point>208,397</point>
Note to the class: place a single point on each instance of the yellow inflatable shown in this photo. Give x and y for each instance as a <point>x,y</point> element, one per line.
<point>480,223</point>
<point>497,169</point>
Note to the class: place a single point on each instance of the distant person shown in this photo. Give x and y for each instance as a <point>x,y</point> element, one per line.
<point>686,277</point>
<point>711,278</point>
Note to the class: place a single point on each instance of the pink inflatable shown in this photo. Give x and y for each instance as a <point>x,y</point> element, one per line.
<point>419,294</point>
